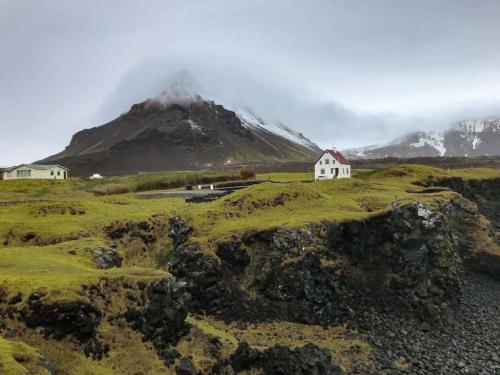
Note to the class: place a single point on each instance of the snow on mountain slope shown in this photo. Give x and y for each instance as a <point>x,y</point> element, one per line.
<point>478,126</point>
<point>253,122</point>
<point>433,139</point>
<point>467,138</point>
<point>181,132</point>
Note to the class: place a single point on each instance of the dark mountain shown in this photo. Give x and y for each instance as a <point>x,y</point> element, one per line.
<point>187,134</point>
<point>467,138</point>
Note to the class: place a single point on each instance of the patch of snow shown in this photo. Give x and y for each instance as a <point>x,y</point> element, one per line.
<point>251,121</point>
<point>471,127</point>
<point>433,139</point>
<point>475,142</point>
<point>193,125</point>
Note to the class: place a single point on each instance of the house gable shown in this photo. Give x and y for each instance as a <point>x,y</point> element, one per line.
<point>331,165</point>
<point>337,156</point>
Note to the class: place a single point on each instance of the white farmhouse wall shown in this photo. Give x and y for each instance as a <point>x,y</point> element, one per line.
<point>328,167</point>
<point>55,173</point>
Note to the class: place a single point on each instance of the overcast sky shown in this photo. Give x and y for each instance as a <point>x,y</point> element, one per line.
<point>343,72</point>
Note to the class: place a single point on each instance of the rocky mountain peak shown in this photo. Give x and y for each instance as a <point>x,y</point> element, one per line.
<point>466,138</point>
<point>181,130</point>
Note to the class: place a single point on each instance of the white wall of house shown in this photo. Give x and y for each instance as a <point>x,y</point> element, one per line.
<point>329,167</point>
<point>27,172</point>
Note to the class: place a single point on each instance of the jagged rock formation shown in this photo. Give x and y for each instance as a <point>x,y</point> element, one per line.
<point>411,257</point>
<point>410,280</point>
<point>76,319</point>
<point>158,135</point>
<point>467,138</point>
<point>281,360</point>
<point>105,258</point>
<point>162,319</point>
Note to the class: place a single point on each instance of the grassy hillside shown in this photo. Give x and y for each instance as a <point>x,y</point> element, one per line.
<point>50,230</point>
<point>53,219</point>
<point>79,187</point>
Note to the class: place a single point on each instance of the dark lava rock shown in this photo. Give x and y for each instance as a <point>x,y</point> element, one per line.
<point>96,349</point>
<point>162,319</point>
<point>142,230</point>
<point>304,291</point>
<point>106,258</point>
<point>212,286</point>
<point>28,236</point>
<point>484,192</point>
<point>488,264</point>
<point>408,258</point>
<point>179,230</point>
<point>117,231</point>
<point>467,345</point>
<point>185,367</point>
<point>282,360</point>
<point>10,334</point>
<point>16,299</point>
<point>44,362</point>
<point>77,319</point>
<point>232,253</point>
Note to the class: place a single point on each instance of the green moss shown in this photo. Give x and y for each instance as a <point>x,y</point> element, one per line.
<point>70,213</point>
<point>17,358</point>
<point>59,269</point>
<point>20,219</point>
<point>270,205</point>
<point>258,207</point>
<point>283,176</point>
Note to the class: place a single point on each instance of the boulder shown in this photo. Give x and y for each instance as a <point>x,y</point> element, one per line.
<point>179,230</point>
<point>162,318</point>
<point>282,360</point>
<point>107,257</point>
<point>77,319</point>
<point>185,367</point>
<point>233,253</point>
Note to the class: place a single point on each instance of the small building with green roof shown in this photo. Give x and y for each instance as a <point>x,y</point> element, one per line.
<point>36,171</point>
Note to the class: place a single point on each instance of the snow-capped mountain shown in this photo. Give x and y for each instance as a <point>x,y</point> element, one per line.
<point>258,125</point>
<point>467,138</point>
<point>181,132</point>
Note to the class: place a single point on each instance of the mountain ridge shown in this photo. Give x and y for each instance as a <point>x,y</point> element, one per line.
<point>185,133</point>
<point>466,138</point>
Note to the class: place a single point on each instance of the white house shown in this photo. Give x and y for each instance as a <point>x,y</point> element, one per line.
<point>331,164</point>
<point>36,171</point>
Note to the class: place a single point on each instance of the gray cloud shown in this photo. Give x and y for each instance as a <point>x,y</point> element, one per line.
<point>344,72</point>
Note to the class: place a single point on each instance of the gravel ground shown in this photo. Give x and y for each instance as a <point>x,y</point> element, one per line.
<point>471,345</point>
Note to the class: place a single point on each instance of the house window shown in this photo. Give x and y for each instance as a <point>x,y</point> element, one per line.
<point>327,161</point>
<point>58,173</point>
<point>320,162</point>
<point>322,171</point>
<point>51,173</point>
<point>24,173</point>
<point>331,171</point>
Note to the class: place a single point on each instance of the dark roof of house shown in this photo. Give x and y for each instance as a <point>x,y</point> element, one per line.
<point>337,155</point>
<point>37,166</point>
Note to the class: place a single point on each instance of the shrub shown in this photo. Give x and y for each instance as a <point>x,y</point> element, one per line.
<point>247,174</point>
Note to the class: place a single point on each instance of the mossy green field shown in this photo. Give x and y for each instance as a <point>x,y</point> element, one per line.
<point>50,230</point>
